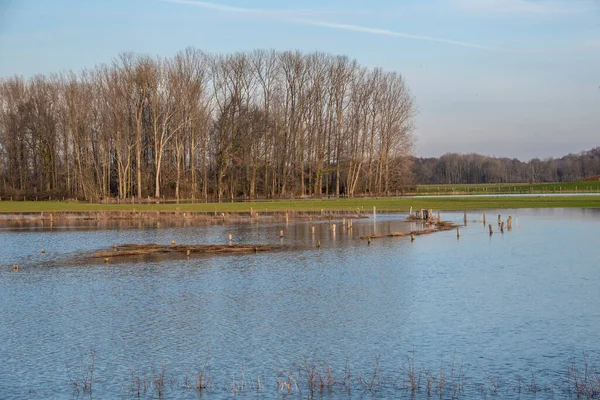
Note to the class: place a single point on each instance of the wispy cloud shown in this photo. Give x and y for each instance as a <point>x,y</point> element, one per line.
<point>386,32</point>
<point>523,7</point>
<point>263,12</point>
<point>292,16</point>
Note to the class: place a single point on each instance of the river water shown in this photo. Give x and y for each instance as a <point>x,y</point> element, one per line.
<point>504,315</point>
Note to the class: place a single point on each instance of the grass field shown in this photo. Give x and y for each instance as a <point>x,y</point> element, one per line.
<point>512,188</point>
<point>365,204</point>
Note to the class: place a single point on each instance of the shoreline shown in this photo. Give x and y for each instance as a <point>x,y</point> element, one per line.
<point>279,209</point>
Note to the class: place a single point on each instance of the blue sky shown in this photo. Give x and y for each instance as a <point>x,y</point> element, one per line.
<point>514,78</point>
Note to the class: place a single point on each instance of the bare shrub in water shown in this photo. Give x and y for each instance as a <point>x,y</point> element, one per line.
<point>286,382</point>
<point>374,379</point>
<point>83,381</point>
<point>319,376</point>
<point>201,380</point>
<point>584,380</point>
<point>138,384</point>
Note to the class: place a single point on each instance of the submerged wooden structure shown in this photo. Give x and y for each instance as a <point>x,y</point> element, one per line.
<point>434,226</point>
<point>125,250</point>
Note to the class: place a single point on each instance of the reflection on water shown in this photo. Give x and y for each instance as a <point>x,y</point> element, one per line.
<point>510,304</point>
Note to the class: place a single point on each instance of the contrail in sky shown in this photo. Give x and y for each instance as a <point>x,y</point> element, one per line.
<point>289,17</point>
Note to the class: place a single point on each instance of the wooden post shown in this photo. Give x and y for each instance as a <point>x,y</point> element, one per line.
<point>374,212</point>
<point>251,212</point>
<point>412,237</point>
<point>465,218</point>
<point>230,237</point>
<point>502,227</point>
<point>439,219</point>
<point>410,212</point>
<point>280,233</point>
<point>484,218</point>
<point>457,233</point>
<point>333,228</point>
<point>318,244</point>
<point>499,218</point>
<point>491,230</point>
<point>312,229</point>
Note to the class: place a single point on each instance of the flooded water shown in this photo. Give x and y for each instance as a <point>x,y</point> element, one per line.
<point>501,308</point>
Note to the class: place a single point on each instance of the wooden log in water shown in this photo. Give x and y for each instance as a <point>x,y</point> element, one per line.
<point>373,236</point>
<point>438,227</point>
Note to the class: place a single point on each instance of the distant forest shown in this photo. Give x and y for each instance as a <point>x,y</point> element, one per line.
<point>455,168</point>
<point>210,127</point>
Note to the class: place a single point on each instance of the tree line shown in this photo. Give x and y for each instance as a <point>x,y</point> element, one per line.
<point>453,168</point>
<point>262,124</point>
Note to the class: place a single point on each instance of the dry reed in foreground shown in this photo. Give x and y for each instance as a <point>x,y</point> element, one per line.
<point>318,378</point>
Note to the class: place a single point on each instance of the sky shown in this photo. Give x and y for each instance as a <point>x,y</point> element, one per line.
<point>506,78</point>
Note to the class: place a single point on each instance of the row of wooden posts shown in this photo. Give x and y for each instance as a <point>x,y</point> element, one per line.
<point>500,224</point>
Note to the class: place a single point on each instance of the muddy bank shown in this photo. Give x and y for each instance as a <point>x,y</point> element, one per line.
<point>128,250</point>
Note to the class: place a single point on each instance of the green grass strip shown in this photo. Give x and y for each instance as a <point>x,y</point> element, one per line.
<point>315,205</point>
